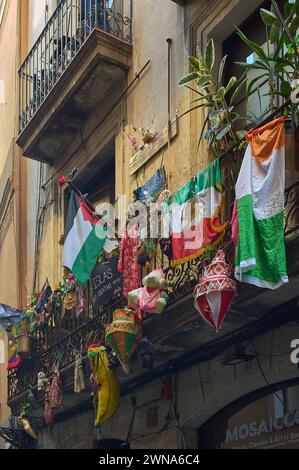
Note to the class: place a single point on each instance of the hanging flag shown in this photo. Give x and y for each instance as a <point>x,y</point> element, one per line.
<point>85,237</point>
<point>194,211</point>
<point>258,220</point>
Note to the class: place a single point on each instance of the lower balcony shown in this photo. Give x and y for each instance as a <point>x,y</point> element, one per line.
<point>81,56</point>
<point>179,336</point>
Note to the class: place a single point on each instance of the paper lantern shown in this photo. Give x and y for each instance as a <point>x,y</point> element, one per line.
<point>124,335</point>
<point>215,291</point>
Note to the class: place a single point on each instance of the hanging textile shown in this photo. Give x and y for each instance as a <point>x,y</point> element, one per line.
<point>79,381</point>
<point>194,214</point>
<point>55,392</point>
<point>127,264</point>
<point>84,239</point>
<point>258,221</point>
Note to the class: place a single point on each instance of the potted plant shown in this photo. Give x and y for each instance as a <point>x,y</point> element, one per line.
<point>278,64</point>
<point>217,99</point>
<point>24,339</point>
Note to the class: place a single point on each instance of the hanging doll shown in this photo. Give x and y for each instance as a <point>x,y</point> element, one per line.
<point>55,392</point>
<point>79,381</point>
<point>42,381</point>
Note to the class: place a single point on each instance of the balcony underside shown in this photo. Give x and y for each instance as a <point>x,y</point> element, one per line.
<point>98,68</point>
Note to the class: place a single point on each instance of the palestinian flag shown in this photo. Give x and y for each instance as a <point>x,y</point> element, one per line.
<point>258,222</point>
<point>85,237</point>
<point>194,214</point>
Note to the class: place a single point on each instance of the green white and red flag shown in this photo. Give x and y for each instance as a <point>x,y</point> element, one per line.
<point>85,237</point>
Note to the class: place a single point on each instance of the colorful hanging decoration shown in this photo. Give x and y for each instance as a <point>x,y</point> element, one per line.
<point>145,354</point>
<point>258,221</point>
<point>14,361</point>
<point>215,291</point>
<point>107,386</point>
<point>194,215</point>
<point>79,380</point>
<point>42,382</point>
<point>124,335</point>
<point>150,190</point>
<point>152,298</point>
<point>49,416</point>
<point>127,264</point>
<point>23,418</point>
<point>55,392</point>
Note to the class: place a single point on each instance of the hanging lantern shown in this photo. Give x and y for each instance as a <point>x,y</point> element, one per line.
<point>124,335</point>
<point>215,291</point>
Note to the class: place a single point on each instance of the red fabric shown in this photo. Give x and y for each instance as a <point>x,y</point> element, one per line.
<point>55,392</point>
<point>127,264</point>
<point>204,307</point>
<point>200,237</point>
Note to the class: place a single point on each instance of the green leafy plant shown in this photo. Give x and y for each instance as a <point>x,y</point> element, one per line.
<point>217,99</point>
<point>278,64</point>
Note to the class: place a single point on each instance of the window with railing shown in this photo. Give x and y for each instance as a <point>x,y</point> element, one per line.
<point>69,27</point>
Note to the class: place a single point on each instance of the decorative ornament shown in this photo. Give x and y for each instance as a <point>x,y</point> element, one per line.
<point>70,300</point>
<point>79,381</point>
<point>215,291</point>
<point>42,382</point>
<point>62,181</point>
<point>55,392</point>
<point>14,361</point>
<point>48,412</point>
<point>105,384</point>
<point>23,418</point>
<point>124,335</point>
<point>145,354</point>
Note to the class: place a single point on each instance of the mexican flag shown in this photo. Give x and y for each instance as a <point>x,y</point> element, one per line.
<point>258,222</point>
<point>85,237</point>
<point>194,213</point>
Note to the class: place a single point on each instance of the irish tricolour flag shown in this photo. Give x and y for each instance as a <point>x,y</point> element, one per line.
<point>85,237</point>
<point>258,222</point>
<point>195,215</point>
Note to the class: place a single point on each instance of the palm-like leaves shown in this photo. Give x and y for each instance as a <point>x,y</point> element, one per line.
<point>218,128</point>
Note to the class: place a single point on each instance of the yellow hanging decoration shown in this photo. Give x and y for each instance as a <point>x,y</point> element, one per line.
<point>109,391</point>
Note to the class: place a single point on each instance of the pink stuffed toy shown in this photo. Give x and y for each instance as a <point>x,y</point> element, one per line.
<point>152,298</point>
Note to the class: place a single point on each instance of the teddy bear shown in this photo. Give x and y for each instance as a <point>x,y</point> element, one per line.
<point>152,298</point>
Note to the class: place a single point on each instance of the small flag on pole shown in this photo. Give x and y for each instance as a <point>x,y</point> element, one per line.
<point>85,237</point>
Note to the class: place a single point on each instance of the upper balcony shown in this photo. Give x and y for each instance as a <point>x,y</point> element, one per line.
<point>82,53</point>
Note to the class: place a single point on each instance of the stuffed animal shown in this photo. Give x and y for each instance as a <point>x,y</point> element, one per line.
<point>152,298</point>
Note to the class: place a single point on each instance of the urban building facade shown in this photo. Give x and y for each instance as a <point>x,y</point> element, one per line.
<point>77,78</point>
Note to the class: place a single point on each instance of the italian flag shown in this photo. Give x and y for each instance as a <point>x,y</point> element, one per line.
<point>85,237</point>
<point>258,221</point>
<point>194,215</point>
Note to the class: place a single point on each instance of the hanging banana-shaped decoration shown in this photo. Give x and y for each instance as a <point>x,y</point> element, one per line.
<point>108,386</point>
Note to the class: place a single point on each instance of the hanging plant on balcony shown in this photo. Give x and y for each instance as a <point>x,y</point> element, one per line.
<point>219,127</point>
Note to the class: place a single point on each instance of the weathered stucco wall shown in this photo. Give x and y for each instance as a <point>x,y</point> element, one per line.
<point>8,258</point>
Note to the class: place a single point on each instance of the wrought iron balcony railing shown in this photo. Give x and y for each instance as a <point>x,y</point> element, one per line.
<point>62,38</point>
<point>182,279</point>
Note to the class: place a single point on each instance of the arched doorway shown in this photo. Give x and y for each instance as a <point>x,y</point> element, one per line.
<point>265,419</point>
